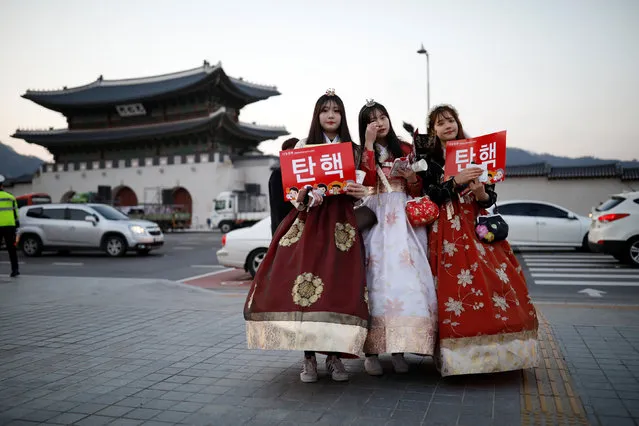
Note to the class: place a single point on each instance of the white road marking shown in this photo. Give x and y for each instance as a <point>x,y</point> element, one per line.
<point>592,292</point>
<point>207,266</point>
<point>6,262</point>
<point>620,270</point>
<point>612,276</point>
<point>209,274</point>
<point>68,263</point>
<point>583,283</point>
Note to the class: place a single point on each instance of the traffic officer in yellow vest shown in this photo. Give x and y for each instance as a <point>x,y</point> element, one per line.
<point>8,225</point>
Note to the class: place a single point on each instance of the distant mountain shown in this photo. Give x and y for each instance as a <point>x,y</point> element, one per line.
<point>518,156</point>
<point>13,164</point>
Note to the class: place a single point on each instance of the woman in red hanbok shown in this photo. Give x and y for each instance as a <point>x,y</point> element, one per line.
<point>310,290</point>
<point>487,322</point>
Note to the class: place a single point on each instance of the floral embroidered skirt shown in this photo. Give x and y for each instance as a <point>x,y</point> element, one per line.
<point>401,290</point>
<point>487,322</point>
<point>309,293</point>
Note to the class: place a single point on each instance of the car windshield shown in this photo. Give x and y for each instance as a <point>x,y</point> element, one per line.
<point>109,212</point>
<point>612,202</point>
<point>220,204</point>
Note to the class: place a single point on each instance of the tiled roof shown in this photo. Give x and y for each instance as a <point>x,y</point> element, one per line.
<point>54,137</point>
<point>527,170</point>
<point>630,173</point>
<point>112,92</point>
<point>585,172</point>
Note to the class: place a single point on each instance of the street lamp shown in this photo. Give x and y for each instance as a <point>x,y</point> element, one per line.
<point>423,51</point>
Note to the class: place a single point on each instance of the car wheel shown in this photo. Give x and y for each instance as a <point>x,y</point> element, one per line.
<point>115,246</point>
<point>631,256</point>
<point>226,227</point>
<point>584,244</point>
<point>254,260</point>
<point>31,245</point>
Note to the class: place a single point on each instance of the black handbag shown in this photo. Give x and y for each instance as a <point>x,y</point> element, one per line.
<point>365,218</point>
<point>491,228</point>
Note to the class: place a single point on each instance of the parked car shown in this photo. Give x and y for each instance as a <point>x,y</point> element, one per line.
<point>540,224</point>
<point>71,227</point>
<point>615,227</point>
<point>245,247</point>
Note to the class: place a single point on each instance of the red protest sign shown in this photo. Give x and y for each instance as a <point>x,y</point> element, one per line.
<point>327,167</point>
<point>488,150</point>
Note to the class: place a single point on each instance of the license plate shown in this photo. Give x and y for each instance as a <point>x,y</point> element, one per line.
<point>157,239</point>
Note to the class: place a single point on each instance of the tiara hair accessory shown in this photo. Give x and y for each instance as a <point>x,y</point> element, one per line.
<point>330,92</point>
<point>370,102</point>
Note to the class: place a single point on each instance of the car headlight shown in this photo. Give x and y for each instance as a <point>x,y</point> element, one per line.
<point>137,229</point>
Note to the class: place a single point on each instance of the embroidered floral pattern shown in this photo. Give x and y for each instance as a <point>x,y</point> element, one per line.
<point>455,306</point>
<point>307,289</point>
<point>391,218</point>
<point>464,277</point>
<point>344,236</point>
<point>293,234</point>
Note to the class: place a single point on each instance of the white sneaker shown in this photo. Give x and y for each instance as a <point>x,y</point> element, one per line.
<point>372,366</point>
<point>399,363</point>
<point>335,366</point>
<point>309,370</point>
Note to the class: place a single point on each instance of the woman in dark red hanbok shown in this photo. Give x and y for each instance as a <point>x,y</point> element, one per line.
<point>310,290</point>
<point>487,322</point>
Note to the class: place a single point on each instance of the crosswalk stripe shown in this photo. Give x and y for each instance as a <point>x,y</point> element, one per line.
<point>568,265</point>
<point>579,269</point>
<point>560,259</point>
<point>612,275</point>
<point>619,270</point>
<point>588,283</point>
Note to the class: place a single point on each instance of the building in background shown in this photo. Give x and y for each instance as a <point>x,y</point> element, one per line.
<point>172,140</point>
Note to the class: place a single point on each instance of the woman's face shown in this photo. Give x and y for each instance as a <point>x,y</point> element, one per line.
<point>330,117</point>
<point>383,124</point>
<point>446,127</point>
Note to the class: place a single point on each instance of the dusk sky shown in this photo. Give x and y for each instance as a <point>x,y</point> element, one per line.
<point>561,76</point>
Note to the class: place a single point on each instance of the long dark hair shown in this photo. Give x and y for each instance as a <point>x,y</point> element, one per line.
<point>316,133</point>
<point>435,144</point>
<point>365,117</point>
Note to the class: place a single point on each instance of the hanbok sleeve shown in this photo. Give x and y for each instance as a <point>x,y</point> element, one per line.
<point>367,164</point>
<point>492,197</point>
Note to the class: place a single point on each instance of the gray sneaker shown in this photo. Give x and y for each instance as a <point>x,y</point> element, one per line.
<point>373,366</point>
<point>399,363</point>
<point>335,366</point>
<point>309,370</point>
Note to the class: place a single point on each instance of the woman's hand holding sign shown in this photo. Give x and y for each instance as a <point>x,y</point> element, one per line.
<point>467,175</point>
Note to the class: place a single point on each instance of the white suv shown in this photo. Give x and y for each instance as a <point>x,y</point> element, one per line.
<point>84,227</point>
<point>615,228</point>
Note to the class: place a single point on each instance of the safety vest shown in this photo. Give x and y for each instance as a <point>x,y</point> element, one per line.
<point>8,209</point>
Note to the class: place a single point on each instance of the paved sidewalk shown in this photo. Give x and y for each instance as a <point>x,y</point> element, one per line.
<point>132,352</point>
<point>601,346</point>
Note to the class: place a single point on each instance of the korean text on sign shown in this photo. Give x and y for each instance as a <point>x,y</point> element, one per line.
<point>328,167</point>
<point>488,150</point>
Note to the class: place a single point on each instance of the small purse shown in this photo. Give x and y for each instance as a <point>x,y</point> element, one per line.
<point>421,211</point>
<point>491,228</point>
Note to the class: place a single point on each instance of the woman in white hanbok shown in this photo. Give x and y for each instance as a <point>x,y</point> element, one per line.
<point>401,291</point>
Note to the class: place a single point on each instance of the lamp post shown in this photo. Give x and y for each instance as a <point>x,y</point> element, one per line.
<point>423,51</point>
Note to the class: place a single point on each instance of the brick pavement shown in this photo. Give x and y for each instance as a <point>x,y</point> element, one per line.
<point>130,352</point>
<point>601,346</point>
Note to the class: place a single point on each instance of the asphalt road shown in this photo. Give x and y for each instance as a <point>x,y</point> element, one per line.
<point>183,255</point>
<point>556,275</point>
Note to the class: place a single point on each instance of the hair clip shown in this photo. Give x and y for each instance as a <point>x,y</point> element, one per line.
<point>330,92</point>
<point>370,102</point>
